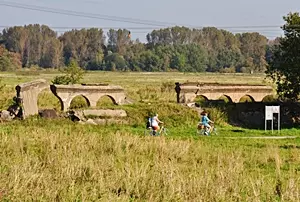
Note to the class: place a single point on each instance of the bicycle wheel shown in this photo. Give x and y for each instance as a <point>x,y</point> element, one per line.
<point>148,132</point>
<point>164,131</point>
<point>215,131</point>
<point>202,132</point>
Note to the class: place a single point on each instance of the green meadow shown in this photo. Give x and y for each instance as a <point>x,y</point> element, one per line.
<point>59,160</point>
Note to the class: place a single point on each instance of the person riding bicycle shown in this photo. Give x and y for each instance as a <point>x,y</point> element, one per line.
<point>155,123</point>
<point>205,122</point>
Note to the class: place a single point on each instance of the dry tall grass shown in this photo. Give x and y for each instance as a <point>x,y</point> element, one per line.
<point>77,163</point>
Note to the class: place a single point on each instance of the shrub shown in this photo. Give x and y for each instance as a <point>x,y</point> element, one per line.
<point>218,115</point>
<point>73,75</point>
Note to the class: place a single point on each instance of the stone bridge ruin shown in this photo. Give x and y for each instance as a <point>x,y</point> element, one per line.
<point>91,93</point>
<point>187,92</point>
<point>28,92</point>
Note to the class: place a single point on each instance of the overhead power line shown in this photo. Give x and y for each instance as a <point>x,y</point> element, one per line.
<point>156,24</point>
<point>86,15</point>
<point>99,27</point>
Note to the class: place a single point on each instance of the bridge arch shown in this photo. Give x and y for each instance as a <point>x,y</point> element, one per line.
<point>79,101</point>
<point>92,93</point>
<point>46,100</point>
<point>106,100</point>
<point>186,92</point>
<point>226,98</point>
<point>269,98</point>
<point>201,98</point>
<point>247,98</point>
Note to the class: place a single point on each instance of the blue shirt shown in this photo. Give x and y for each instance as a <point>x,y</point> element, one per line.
<point>205,120</point>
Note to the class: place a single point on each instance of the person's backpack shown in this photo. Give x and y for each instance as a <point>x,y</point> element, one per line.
<point>149,120</point>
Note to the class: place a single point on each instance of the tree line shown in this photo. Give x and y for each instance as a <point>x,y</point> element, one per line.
<point>168,49</point>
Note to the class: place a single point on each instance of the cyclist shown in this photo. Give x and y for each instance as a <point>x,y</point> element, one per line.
<point>155,123</point>
<point>205,122</point>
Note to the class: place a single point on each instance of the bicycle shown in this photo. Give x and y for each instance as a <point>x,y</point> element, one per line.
<point>202,130</point>
<point>162,131</point>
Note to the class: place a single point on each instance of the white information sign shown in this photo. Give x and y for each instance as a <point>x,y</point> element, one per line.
<point>270,111</point>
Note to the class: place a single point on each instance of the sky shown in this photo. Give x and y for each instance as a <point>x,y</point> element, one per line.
<point>263,16</point>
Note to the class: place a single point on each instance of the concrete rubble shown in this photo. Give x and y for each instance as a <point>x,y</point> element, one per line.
<point>100,116</point>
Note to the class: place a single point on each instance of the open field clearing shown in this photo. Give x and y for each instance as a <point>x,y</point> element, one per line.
<point>59,160</point>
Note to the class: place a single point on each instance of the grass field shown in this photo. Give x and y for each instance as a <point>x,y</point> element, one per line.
<point>58,160</point>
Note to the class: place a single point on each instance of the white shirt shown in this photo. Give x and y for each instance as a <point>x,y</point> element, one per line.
<point>153,121</point>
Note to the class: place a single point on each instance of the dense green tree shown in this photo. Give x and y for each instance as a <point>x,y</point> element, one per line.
<point>178,61</point>
<point>271,46</point>
<point>171,49</point>
<point>133,51</point>
<point>37,45</point>
<point>284,65</point>
<point>149,61</point>
<point>115,62</point>
<point>8,60</point>
<point>253,45</point>
<point>167,36</point>
<point>196,57</point>
<point>84,46</point>
<point>228,58</point>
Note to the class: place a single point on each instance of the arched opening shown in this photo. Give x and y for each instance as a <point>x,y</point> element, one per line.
<point>269,98</point>
<point>247,98</point>
<point>200,100</point>
<point>79,102</point>
<point>47,100</point>
<point>106,101</point>
<point>225,98</point>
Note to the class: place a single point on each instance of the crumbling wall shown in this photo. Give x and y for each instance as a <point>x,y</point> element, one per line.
<point>28,93</point>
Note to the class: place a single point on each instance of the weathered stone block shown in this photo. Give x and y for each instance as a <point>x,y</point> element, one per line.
<point>104,113</point>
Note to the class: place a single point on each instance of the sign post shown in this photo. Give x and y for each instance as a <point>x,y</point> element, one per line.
<point>269,112</point>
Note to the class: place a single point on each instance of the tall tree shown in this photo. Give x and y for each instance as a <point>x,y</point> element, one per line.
<point>253,45</point>
<point>9,61</point>
<point>174,35</point>
<point>32,43</point>
<point>284,65</point>
<point>118,40</point>
<point>84,46</point>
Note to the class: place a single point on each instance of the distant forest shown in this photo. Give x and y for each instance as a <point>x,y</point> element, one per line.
<point>170,49</point>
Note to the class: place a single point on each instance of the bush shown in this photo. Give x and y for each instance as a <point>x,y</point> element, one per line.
<point>61,80</point>
<point>73,75</point>
<point>218,115</point>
